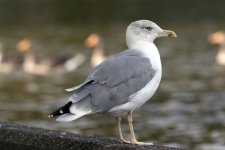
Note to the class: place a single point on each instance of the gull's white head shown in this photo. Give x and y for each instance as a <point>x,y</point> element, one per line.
<point>145,30</point>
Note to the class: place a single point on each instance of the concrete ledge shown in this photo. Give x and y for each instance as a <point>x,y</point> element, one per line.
<point>18,137</point>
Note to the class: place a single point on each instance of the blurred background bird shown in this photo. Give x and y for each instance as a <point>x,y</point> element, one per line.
<point>6,66</point>
<point>95,42</point>
<point>65,64</point>
<point>30,64</point>
<point>218,38</point>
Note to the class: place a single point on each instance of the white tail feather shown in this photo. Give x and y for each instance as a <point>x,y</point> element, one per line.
<point>77,110</point>
<point>77,87</point>
<point>69,117</point>
<point>71,89</point>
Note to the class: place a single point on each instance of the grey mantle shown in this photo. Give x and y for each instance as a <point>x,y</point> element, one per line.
<point>18,137</point>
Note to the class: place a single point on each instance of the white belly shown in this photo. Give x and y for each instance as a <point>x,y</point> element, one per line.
<point>137,99</point>
<point>142,96</point>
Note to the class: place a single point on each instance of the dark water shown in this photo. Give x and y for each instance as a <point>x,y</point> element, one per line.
<point>188,109</point>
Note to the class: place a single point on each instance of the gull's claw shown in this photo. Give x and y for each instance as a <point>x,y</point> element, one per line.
<point>125,141</point>
<point>141,143</point>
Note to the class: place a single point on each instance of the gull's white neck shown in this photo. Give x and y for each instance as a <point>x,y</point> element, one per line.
<point>150,51</point>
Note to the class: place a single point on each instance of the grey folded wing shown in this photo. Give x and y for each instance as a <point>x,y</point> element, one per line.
<point>112,82</point>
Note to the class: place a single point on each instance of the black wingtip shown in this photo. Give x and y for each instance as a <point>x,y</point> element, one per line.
<point>54,114</point>
<point>63,110</point>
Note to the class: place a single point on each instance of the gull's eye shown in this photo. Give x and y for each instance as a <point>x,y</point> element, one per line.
<point>148,28</point>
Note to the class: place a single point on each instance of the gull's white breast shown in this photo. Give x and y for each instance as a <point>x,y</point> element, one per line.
<point>139,98</point>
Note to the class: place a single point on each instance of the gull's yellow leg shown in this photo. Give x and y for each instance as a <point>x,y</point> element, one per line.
<point>133,138</point>
<point>118,121</point>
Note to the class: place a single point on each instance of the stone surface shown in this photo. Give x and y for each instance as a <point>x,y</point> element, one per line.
<point>18,137</point>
